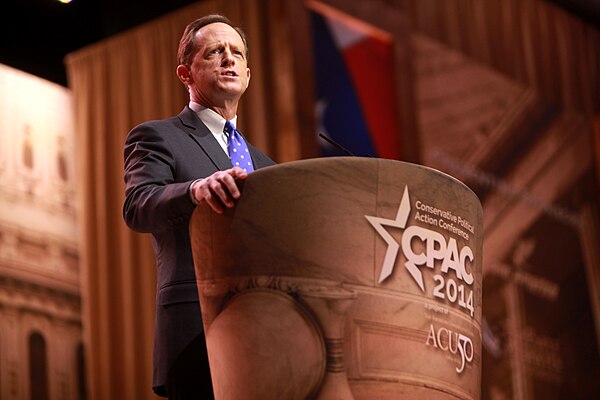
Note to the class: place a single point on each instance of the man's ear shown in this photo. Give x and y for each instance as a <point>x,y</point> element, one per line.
<point>248,80</point>
<point>184,75</point>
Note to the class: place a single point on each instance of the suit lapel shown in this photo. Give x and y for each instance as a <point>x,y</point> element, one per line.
<point>201,135</point>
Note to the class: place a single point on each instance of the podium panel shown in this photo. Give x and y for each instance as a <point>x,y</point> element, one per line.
<point>343,278</point>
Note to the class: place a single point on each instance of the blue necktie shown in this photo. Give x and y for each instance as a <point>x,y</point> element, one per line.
<point>238,150</point>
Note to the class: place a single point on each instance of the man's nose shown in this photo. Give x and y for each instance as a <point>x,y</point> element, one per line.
<point>228,57</point>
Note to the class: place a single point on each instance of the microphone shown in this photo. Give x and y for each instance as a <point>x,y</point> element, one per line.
<point>335,144</point>
<point>339,146</point>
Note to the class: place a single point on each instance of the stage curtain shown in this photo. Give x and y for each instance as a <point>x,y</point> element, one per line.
<point>123,81</point>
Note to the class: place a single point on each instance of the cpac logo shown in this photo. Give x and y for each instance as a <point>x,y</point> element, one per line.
<point>435,248</point>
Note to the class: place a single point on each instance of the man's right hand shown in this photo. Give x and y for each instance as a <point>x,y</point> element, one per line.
<point>219,189</point>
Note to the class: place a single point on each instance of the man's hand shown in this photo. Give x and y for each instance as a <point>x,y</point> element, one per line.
<point>220,189</point>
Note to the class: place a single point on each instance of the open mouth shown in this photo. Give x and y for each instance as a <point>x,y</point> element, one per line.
<point>230,73</point>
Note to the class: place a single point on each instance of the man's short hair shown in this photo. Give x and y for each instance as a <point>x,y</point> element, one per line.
<point>187,44</point>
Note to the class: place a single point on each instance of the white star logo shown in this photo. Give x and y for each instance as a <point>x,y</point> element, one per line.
<point>393,246</point>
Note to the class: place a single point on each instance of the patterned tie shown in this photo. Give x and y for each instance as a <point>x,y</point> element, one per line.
<point>238,150</point>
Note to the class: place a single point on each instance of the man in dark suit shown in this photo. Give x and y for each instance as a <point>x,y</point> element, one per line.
<point>171,166</point>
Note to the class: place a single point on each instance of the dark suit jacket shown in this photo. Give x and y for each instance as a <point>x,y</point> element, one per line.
<point>162,158</point>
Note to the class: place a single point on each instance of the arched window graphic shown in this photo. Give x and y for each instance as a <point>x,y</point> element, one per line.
<point>81,382</point>
<point>27,148</point>
<point>38,371</point>
<point>61,161</point>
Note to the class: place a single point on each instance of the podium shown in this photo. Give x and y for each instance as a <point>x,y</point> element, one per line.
<point>343,278</point>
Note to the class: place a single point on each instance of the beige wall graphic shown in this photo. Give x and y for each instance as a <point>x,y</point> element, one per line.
<point>40,317</point>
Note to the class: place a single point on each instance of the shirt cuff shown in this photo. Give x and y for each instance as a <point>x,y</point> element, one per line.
<point>191,192</point>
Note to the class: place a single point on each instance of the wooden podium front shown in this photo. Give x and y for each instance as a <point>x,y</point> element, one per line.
<point>343,278</point>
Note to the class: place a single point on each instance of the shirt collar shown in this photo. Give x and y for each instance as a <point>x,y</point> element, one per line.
<point>213,121</point>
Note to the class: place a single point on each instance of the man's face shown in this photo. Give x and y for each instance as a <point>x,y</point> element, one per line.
<point>219,71</point>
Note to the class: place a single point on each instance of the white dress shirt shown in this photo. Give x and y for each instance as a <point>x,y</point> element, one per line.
<point>214,122</point>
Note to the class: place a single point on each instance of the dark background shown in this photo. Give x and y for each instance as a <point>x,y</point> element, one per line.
<point>36,35</point>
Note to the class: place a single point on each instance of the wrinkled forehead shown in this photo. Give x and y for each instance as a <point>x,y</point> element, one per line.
<point>218,32</point>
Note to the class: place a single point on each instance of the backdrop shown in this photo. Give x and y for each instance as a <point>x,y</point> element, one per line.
<point>130,78</point>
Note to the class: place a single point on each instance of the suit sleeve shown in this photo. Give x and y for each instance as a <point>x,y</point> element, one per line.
<point>154,202</point>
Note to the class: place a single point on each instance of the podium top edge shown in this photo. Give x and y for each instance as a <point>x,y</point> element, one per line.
<point>325,162</point>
